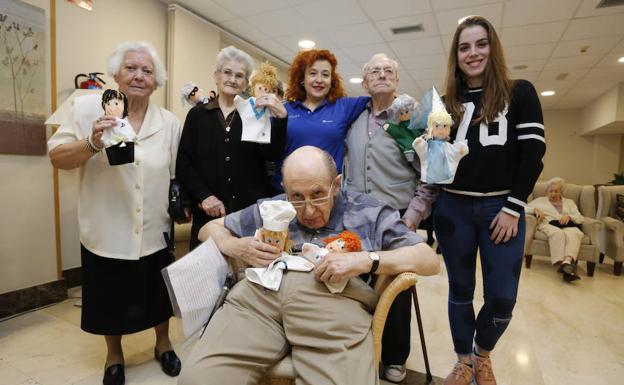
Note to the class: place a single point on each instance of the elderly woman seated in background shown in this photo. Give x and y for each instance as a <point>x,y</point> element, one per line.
<point>560,220</point>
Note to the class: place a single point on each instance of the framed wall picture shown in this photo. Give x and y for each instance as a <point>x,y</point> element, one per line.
<point>22,78</point>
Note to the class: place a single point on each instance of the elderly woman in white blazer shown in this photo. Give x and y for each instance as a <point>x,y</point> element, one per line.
<point>560,220</point>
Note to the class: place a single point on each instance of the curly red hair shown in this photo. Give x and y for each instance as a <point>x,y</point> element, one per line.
<point>296,74</point>
<point>351,240</point>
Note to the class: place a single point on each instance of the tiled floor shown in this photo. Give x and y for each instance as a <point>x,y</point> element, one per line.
<point>561,334</point>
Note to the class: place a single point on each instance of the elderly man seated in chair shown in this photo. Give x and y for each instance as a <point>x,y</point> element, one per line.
<point>328,335</point>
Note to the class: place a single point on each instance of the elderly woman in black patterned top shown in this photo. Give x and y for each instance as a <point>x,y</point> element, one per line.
<point>221,173</point>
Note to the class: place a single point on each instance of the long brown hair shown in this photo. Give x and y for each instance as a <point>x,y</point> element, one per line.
<point>296,74</point>
<point>496,82</point>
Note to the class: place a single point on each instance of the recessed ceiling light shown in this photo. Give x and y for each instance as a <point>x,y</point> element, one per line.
<point>355,80</point>
<point>621,60</point>
<point>306,44</point>
<point>548,93</point>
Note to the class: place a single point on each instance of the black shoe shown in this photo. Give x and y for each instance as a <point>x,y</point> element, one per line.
<point>568,270</point>
<point>169,362</point>
<point>114,375</point>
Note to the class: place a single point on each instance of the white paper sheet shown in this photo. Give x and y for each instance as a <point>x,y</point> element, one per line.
<point>194,283</point>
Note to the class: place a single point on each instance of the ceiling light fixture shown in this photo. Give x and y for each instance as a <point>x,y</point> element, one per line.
<point>621,60</point>
<point>306,44</point>
<point>548,93</point>
<point>355,80</point>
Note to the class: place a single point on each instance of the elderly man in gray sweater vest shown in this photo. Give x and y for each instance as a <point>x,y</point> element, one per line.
<point>376,165</point>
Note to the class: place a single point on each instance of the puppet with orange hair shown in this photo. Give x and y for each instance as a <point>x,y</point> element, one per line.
<point>345,242</point>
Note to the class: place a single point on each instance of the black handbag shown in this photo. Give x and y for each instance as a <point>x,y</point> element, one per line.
<point>178,200</point>
<point>569,224</point>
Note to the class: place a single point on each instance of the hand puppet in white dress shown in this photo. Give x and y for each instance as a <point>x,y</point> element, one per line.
<point>118,140</point>
<point>439,157</point>
<point>257,122</point>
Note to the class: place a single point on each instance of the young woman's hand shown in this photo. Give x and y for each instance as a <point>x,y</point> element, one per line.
<point>503,227</point>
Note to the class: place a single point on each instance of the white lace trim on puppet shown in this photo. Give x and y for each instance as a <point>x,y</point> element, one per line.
<point>122,132</point>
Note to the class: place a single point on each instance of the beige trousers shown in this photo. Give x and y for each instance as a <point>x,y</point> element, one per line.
<point>562,242</point>
<point>329,336</point>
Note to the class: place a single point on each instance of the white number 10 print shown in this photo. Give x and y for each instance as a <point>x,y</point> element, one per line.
<point>498,139</point>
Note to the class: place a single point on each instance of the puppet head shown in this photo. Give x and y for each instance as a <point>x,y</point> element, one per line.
<point>346,241</point>
<point>264,80</point>
<point>276,215</point>
<point>192,94</point>
<point>402,107</point>
<point>439,121</point>
<point>115,103</point>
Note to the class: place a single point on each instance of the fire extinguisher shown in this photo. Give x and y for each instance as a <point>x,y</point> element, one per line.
<point>93,82</point>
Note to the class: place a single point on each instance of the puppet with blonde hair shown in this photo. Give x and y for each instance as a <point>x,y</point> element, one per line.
<point>439,157</point>
<point>257,123</point>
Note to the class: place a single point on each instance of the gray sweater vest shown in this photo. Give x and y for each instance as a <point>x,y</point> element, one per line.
<point>377,166</point>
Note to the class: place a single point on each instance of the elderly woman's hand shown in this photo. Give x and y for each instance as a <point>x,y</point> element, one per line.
<point>539,214</point>
<point>274,105</point>
<point>503,227</point>
<point>213,207</point>
<point>101,124</point>
<point>565,219</point>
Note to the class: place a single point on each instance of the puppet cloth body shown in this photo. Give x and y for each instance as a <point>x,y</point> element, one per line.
<point>439,159</point>
<point>256,123</point>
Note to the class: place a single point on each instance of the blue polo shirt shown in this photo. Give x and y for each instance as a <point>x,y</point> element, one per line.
<point>325,127</point>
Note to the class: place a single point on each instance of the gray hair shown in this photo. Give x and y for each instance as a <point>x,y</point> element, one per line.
<point>555,180</point>
<point>380,56</point>
<point>116,58</point>
<point>232,53</point>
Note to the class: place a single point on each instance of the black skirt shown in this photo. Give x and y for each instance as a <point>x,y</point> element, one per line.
<point>121,296</point>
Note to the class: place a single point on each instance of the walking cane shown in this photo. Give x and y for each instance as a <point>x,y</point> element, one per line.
<point>422,334</point>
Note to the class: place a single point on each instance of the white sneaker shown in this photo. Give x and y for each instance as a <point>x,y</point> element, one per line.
<point>395,373</point>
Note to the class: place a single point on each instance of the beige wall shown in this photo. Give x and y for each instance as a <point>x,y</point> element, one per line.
<point>27,245</point>
<point>578,159</point>
<point>193,47</point>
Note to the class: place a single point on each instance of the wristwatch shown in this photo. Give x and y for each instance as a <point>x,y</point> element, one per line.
<point>375,258</point>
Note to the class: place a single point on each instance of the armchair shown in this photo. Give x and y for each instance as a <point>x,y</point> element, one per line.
<point>614,228</point>
<point>536,242</point>
<point>387,288</point>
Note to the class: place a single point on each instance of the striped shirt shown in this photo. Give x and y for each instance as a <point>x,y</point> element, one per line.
<point>378,225</point>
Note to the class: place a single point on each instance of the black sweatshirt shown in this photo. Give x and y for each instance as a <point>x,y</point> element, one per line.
<point>505,156</point>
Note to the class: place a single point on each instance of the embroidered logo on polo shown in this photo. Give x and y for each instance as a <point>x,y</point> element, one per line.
<point>257,113</point>
<point>327,121</point>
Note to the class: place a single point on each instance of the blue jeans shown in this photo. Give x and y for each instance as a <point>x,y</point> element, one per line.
<point>462,227</point>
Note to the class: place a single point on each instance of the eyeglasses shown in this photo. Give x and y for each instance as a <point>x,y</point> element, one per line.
<point>192,93</point>
<point>376,72</point>
<point>314,202</point>
<point>228,73</point>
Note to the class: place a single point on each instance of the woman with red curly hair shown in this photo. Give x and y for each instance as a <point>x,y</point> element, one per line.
<point>319,114</point>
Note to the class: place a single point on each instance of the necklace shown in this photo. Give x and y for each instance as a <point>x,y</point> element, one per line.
<point>227,124</point>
